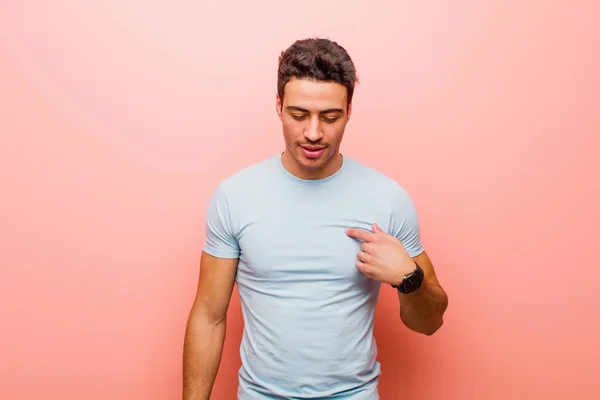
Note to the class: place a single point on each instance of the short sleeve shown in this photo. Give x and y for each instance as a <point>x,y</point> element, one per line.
<point>220,240</point>
<point>404,222</point>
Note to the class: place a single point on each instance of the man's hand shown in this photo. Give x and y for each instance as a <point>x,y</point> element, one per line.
<point>382,256</point>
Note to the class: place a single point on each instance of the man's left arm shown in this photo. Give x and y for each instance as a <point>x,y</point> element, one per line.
<point>389,256</point>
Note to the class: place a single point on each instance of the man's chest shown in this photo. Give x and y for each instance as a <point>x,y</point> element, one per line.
<point>305,245</point>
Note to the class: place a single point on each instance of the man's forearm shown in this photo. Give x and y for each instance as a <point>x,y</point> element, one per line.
<point>203,347</point>
<point>423,309</point>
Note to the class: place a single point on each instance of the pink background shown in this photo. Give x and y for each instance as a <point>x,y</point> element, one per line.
<point>118,118</point>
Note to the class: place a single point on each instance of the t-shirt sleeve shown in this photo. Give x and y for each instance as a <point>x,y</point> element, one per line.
<point>405,221</point>
<point>220,240</point>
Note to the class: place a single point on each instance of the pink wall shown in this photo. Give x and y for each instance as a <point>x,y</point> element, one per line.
<point>118,118</point>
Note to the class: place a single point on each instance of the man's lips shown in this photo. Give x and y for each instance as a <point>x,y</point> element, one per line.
<point>312,151</point>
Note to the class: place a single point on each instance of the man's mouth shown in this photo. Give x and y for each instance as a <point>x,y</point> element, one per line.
<point>312,151</point>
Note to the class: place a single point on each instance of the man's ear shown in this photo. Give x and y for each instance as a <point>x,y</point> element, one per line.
<point>278,106</point>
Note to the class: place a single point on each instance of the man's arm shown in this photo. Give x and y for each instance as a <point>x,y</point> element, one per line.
<point>205,330</point>
<point>423,310</point>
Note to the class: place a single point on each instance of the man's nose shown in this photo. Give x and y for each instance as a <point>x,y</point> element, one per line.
<point>313,132</point>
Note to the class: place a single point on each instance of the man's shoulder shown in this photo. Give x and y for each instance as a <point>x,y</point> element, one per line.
<point>370,176</point>
<point>379,184</point>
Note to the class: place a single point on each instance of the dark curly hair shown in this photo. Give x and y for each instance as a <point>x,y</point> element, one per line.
<point>317,59</point>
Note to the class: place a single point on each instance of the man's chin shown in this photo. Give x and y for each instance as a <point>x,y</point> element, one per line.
<point>312,163</point>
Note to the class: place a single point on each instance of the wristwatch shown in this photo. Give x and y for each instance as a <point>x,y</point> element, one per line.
<point>412,281</point>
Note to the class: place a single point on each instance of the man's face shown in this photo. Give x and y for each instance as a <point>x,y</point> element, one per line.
<point>314,116</point>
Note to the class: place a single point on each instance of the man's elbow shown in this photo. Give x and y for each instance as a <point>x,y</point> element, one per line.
<point>433,327</point>
<point>425,325</point>
<point>437,322</point>
<point>203,313</point>
<point>427,328</point>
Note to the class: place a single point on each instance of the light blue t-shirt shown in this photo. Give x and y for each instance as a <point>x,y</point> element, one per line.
<point>308,311</point>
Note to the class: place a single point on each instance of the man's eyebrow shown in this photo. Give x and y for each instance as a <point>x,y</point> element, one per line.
<point>327,111</point>
<point>332,110</point>
<point>296,108</point>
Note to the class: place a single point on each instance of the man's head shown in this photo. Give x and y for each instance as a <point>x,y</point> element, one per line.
<point>315,85</point>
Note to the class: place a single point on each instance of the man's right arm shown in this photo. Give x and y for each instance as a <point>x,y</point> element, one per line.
<point>205,330</point>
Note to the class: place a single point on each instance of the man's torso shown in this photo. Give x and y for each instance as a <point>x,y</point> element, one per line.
<point>308,310</point>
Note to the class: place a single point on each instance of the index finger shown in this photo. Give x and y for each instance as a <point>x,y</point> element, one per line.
<point>360,234</point>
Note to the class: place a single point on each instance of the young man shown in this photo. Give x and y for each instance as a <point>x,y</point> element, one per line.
<point>309,236</point>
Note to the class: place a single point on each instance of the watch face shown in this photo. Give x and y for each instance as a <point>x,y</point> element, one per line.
<point>412,282</point>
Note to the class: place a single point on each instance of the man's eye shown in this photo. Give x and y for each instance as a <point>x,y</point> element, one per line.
<point>330,120</point>
<point>298,117</point>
